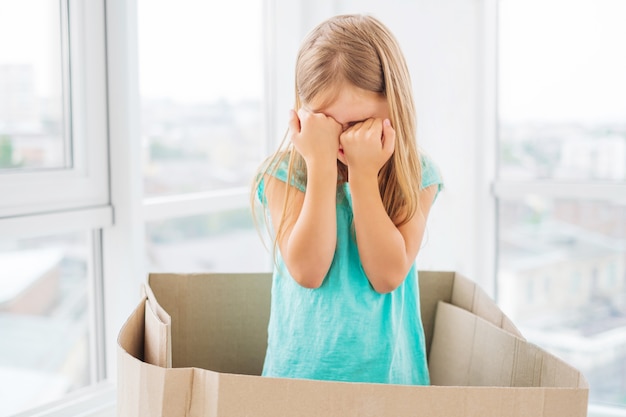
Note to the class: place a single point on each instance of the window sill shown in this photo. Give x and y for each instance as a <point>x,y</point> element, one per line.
<point>596,410</point>
<point>97,401</point>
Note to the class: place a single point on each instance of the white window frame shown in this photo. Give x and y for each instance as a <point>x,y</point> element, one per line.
<point>48,202</point>
<point>85,183</point>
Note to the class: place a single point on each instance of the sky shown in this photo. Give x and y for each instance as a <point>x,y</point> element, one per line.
<point>32,38</point>
<point>562,60</point>
<point>194,50</point>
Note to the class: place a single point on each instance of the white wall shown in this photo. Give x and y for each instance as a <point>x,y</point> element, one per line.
<point>443,42</point>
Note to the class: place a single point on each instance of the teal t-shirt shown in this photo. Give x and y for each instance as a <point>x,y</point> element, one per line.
<point>344,330</point>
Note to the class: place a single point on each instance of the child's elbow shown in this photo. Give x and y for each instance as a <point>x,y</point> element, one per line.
<point>309,282</point>
<point>385,287</point>
<point>389,281</point>
<point>309,279</point>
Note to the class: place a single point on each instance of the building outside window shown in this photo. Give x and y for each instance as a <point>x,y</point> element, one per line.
<point>46,320</point>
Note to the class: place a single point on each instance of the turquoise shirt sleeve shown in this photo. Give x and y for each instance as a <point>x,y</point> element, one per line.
<point>430,174</point>
<point>278,169</point>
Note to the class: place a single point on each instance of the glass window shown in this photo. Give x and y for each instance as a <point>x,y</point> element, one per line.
<point>220,242</point>
<point>562,118</point>
<point>201,96</point>
<point>45,317</point>
<point>561,250</point>
<point>32,129</point>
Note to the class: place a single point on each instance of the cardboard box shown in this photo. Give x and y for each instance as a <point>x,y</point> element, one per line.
<point>195,345</point>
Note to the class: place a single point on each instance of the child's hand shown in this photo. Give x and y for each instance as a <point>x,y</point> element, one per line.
<point>315,136</point>
<point>368,145</point>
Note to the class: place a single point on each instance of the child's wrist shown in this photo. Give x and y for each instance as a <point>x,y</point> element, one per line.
<point>362,175</point>
<point>318,166</point>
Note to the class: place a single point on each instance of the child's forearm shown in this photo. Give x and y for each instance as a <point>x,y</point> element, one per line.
<point>385,255</point>
<point>309,247</point>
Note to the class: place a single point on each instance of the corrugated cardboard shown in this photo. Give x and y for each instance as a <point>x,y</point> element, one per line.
<point>195,345</point>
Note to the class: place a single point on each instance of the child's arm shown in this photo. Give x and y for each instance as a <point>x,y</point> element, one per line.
<point>387,252</point>
<point>308,244</point>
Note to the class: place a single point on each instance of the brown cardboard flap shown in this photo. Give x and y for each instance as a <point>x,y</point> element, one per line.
<point>159,311</point>
<point>145,389</point>
<point>470,351</point>
<point>157,338</point>
<point>131,336</point>
<point>471,297</point>
<point>434,286</point>
<point>458,290</point>
<point>158,333</point>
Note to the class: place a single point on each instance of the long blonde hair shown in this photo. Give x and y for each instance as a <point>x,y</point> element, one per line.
<point>360,50</point>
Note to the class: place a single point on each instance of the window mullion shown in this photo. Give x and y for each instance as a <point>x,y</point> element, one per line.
<point>96,308</point>
<point>56,222</point>
<point>561,190</point>
<point>162,208</point>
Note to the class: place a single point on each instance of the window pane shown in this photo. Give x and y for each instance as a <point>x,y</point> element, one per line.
<point>31,86</point>
<point>562,89</point>
<point>562,279</point>
<point>44,317</point>
<point>201,85</point>
<point>220,242</point>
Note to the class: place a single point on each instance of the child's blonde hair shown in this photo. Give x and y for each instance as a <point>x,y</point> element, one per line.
<point>359,50</point>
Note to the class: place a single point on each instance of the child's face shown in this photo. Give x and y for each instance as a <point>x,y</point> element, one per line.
<point>351,106</point>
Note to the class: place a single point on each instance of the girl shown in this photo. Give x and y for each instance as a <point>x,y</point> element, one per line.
<point>347,201</point>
